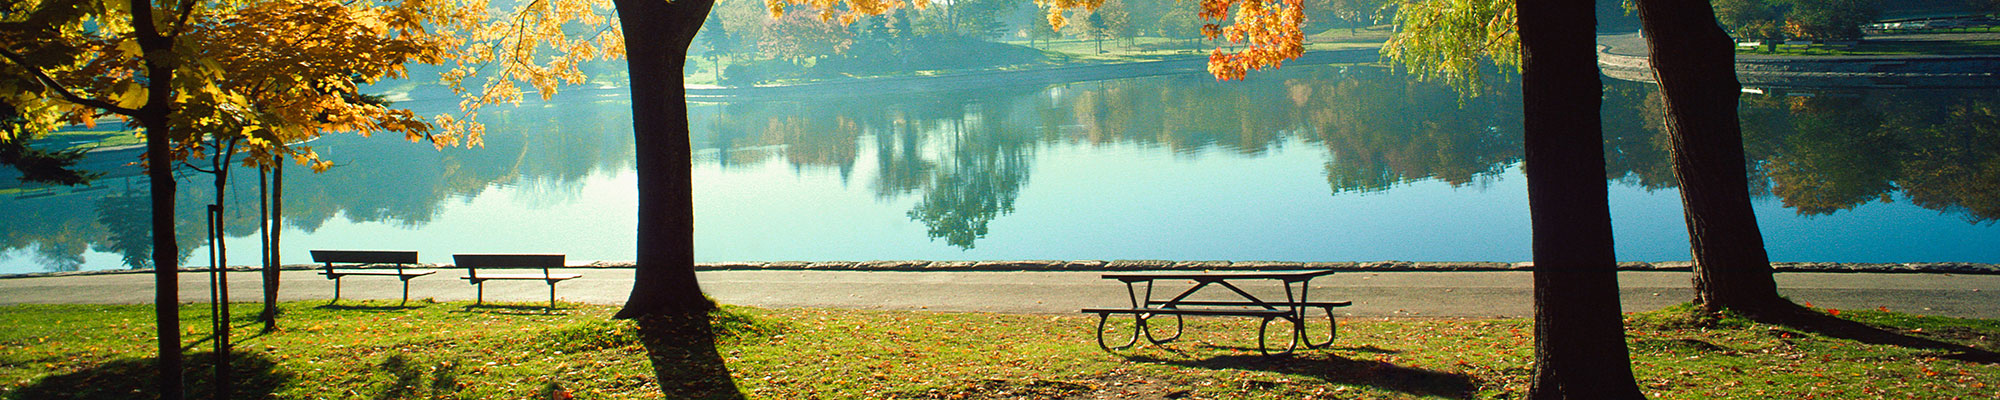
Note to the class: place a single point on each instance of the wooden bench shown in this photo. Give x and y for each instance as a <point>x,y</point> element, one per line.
<point>473,262</point>
<point>364,257</point>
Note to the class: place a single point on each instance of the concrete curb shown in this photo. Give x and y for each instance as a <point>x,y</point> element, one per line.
<point>1170,265</point>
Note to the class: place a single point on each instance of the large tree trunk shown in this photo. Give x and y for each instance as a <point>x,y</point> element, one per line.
<point>157,52</point>
<point>1694,62</point>
<point>657,34</point>
<point>1579,339</point>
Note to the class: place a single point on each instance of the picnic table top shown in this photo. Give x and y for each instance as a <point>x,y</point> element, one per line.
<point>1218,276</point>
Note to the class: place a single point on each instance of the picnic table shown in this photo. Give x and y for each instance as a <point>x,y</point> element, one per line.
<point>1293,308</point>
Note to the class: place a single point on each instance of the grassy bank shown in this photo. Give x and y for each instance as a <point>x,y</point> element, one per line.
<point>450,351</point>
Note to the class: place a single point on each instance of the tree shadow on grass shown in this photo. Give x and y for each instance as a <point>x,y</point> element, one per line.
<point>1808,320</point>
<point>254,377</point>
<point>1336,369</point>
<point>685,362</point>
<point>365,307</point>
<point>513,309</point>
<point>408,379</point>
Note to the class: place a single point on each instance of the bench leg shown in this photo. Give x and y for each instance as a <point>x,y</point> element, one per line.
<point>406,292</point>
<point>552,296</point>
<point>480,297</point>
<point>336,291</point>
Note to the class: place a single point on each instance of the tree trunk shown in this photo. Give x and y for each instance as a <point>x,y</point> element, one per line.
<point>219,271</point>
<point>157,54</point>
<point>664,281</point>
<point>1579,340</point>
<point>273,265</point>
<point>1694,62</point>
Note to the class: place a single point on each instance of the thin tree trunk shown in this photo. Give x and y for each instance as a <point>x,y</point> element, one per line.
<point>264,241</point>
<point>1694,62</point>
<point>274,223</point>
<point>219,270</point>
<point>1579,340</point>
<point>157,54</point>
<point>664,280</point>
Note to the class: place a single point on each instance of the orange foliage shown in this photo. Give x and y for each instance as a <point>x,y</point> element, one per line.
<point>1271,31</point>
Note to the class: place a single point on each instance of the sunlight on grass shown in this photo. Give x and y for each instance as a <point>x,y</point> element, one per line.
<point>450,350</point>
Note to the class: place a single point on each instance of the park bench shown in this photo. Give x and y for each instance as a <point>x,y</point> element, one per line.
<point>366,257</point>
<point>473,262</point>
<point>1293,308</point>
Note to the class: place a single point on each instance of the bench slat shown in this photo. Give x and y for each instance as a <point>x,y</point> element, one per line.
<point>364,256</point>
<point>508,260</point>
<point>538,277</point>
<point>382,272</point>
<point>1342,303</point>
<point>1187,311</point>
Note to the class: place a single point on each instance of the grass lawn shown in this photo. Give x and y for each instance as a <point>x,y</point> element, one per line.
<point>450,351</point>
<point>106,134</point>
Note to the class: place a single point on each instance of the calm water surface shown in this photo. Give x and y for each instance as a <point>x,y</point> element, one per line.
<point>1305,164</point>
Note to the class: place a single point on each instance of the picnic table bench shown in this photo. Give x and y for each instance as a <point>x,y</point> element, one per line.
<point>1292,309</point>
<point>473,262</point>
<point>366,257</point>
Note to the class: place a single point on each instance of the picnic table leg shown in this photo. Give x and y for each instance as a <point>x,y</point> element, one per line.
<point>336,291</point>
<point>1178,328</point>
<point>406,291</point>
<point>479,296</point>
<point>1332,330</point>
<point>1103,318</point>
<point>1262,337</point>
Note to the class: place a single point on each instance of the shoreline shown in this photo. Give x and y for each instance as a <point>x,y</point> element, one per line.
<point>1623,57</point>
<point>1167,265</point>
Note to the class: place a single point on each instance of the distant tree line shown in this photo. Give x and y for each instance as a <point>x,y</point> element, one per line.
<point>743,44</point>
<point>1772,21</point>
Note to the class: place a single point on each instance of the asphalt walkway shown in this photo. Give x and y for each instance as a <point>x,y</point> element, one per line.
<point>1375,294</point>
<point>1631,44</point>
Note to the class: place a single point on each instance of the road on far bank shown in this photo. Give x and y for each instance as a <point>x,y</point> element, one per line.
<point>1375,294</point>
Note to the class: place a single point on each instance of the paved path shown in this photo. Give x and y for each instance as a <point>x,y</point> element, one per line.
<point>1631,44</point>
<point>1443,294</point>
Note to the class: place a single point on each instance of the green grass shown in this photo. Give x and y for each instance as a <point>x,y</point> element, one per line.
<point>104,135</point>
<point>450,351</point>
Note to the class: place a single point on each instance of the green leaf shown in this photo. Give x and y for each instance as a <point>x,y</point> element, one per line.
<point>130,94</point>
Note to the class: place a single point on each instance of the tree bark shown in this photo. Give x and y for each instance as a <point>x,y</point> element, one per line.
<point>657,34</point>
<point>219,269</point>
<point>156,51</point>
<point>274,222</point>
<point>1694,62</point>
<point>1579,338</point>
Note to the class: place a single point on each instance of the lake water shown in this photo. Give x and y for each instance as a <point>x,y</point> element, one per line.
<point>1309,163</point>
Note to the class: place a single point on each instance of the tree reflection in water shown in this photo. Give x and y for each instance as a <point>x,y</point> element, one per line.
<point>965,157</point>
<point>1825,151</point>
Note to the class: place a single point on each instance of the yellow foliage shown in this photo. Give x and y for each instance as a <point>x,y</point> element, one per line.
<point>261,77</point>
<point>1271,31</point>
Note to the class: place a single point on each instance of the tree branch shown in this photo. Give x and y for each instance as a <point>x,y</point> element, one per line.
<point>191,166</point>
<point>187,8</point>
<point>50,83</point>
